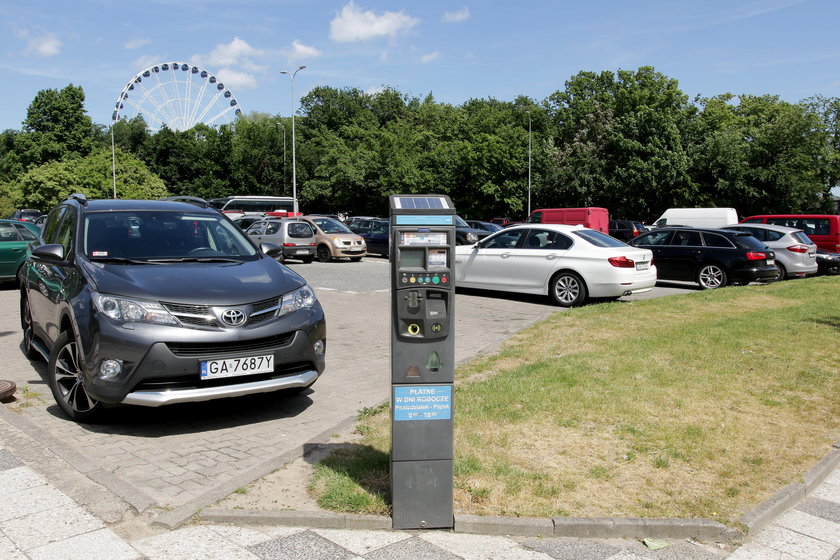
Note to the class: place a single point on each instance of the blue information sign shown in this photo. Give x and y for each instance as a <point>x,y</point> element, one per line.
<point>425,402</point>
<point>423,220</point>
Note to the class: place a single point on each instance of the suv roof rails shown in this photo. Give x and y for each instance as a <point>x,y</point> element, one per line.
<point>80,197</point>
<point>200,202</point>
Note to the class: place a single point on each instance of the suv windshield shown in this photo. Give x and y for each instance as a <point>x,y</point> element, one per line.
<point>152,235</point>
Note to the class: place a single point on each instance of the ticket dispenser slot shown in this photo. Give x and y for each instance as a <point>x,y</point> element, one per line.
<point>422,360</point>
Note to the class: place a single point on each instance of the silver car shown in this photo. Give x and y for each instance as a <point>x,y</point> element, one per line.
<point>796,254</point>
<point>295,236</point>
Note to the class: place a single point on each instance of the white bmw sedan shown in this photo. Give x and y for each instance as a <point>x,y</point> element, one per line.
<point>569,263</point>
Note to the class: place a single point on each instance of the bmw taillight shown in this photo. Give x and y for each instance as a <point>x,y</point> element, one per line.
<point>755,256</point>
<point>798,248</point>
<point>621,262</point>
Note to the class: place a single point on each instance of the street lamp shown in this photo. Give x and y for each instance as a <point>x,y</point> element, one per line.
<point>294,169</point>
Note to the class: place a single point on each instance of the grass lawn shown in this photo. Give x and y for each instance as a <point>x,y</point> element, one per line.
<point>696,405</point>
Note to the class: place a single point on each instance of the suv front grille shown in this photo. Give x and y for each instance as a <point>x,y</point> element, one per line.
<point>214,350</point>
<point>203,316</point>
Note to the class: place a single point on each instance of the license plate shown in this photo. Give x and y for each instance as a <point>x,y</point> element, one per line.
<point>642,265</point>
<point>301,252</point>
<point>215,369</point>
<point>771,261</point>
<point>355,249</point>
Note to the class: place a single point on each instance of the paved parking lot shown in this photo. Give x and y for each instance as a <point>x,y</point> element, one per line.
<point>179,458</point>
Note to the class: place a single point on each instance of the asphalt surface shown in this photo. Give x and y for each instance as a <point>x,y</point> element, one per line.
<point>149,469</point>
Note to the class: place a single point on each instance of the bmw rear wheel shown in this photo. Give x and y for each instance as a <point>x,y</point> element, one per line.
<point>711,276</point>
<point>567,289</point>
<point>66,381</point>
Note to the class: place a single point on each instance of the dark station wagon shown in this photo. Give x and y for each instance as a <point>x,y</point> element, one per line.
<point>711,257</point>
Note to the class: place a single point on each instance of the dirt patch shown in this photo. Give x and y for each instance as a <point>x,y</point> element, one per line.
<point>286,488</point>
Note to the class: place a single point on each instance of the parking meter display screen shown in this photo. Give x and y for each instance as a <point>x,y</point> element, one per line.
<point>423,238</point>
<point>411,258</point>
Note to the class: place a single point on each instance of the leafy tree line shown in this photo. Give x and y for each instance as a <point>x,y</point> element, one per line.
<point>630,141</point>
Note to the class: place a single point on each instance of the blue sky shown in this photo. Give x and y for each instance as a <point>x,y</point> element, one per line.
<point>455,50</point>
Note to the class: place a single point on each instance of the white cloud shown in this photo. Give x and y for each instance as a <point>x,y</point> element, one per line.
<point>236,80</point>
<point>45,44</point>
<point>353,24</point>
<point>298,52</point>
<point>430,57</point>
<point>136,43</point>
<point>457,17</point>
<point>230,54</point>
<point>235,64</point>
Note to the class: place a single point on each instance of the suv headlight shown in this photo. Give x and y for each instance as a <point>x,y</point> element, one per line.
<point>472,237</point>
<point>301,298</point>
<point>338,242</point>
<point>132,310</point>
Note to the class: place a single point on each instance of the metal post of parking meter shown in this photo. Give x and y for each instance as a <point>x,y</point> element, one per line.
<point>422,360</point>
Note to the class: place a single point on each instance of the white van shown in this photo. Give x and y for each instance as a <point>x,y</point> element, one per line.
<point>698,217</point>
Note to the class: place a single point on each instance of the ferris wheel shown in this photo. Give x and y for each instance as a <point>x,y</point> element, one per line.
<point>177,95</point>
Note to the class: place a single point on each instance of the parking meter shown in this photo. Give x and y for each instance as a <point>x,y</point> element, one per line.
<point>422,256</point>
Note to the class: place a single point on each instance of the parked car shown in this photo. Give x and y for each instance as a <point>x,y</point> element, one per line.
<point>626,229</point>
<point>567,263</point>
<point>711,257</point>
<point>490,227</point>
<point>592,217</point>
<point>244,221</point>
<point>335,240</point>
<point>828,263</point>
<point>15,237</point>
<point>822,229</point>
<point>796,254</point>
<point>26,215</point>
<point>294,235</point>
<point>465,234</point>
<point>698,217</point>
<point>353,222</point>
<point>361,225</point>
<point>378,238</point>
<point>160,302</point>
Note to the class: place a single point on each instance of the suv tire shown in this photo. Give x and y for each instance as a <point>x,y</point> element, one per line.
<point>66,383</point>
<point>26,324</point>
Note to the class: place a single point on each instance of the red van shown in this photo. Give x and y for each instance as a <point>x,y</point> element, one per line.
<point>591,217</point>
<point>823,229</point>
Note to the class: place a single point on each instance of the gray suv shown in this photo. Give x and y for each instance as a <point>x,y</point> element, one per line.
<point>160,302</point>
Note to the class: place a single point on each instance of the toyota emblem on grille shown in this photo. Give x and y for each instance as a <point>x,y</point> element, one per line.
<point>234,317</point>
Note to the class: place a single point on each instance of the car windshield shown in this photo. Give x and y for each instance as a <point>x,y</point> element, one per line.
<point>328,225</point>
<point>598,239</point>
<point>162,235</point>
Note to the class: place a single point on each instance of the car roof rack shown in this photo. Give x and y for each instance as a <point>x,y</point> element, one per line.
<point>200,202</point>
<point>80,197</point>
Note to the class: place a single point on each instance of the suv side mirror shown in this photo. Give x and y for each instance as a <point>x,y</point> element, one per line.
<point>50,252</point>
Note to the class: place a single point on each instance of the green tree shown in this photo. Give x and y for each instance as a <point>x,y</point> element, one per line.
<point>47,185</point>
<point>56,127</point>
<point>618,141</point>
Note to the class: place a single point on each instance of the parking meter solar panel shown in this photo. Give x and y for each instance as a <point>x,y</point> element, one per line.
<point>421,202</point>
<point>422,360</point>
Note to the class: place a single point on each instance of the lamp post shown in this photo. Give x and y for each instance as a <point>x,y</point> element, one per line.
<point>294,169</point>
<point>529,163</point>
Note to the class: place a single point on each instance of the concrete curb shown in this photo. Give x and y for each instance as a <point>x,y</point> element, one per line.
<point>762,515</point>
<point>573,527</point>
